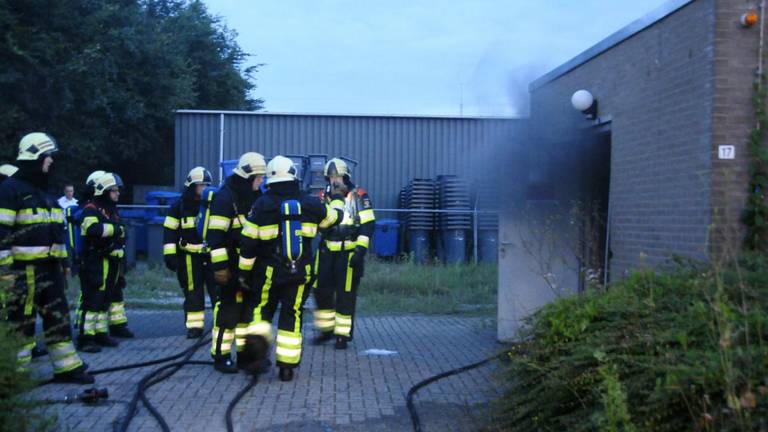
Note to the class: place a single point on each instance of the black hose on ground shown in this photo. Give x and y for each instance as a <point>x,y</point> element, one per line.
<point>236,399</point>
<point>412,391</point>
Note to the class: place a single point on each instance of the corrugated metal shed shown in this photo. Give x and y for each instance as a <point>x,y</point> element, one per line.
<point>390,149</point>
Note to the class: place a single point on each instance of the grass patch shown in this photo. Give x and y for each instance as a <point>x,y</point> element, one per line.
<point>681,350</point>
<point>387,287</point>
<point>405,287</point>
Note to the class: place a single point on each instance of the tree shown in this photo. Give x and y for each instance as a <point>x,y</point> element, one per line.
<point>104,78</point>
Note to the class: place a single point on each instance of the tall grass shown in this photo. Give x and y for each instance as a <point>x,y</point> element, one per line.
<point>405,287</point>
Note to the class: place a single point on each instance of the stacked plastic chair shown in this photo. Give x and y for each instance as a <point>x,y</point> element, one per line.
<point>453,195</point>
<point>419,194</point>
<point>486,200</point>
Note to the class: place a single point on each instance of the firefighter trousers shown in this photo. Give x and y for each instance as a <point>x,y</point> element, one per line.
<point>101,296</point>
<point>336,292</point>
<point>194,275</point>
<point>230,317</point>
<point>40,288</point>
<point>289,293</point>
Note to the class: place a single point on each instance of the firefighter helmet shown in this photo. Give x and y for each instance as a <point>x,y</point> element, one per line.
<point>106,182</point>
<point>91,180</point>
<point>337,167</point>
<point>7,170</point>
<point>251,164</point>
<point>36,144</point>
<point>280,169</point>
<point>198,175</point>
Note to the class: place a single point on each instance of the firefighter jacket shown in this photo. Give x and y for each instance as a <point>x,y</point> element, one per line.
<point>228,211</point>
<point>31,229</point>
<point>357,226</point>
<point>180,228</point>
<point>264,232</point>
<point>102,232</point>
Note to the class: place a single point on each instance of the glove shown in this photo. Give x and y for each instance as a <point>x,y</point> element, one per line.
<point>171,263</point>
<point>222,276</point>
<point>244,281</point>
<point>358,257</point>
<point>119,231</point>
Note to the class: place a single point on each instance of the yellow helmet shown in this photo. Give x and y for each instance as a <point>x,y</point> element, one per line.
<point>198,175</point>
<point>251,164</point>
<point>337,167</point>
<point>280,169</point>
<point>7,170</point>
<point>106,182</point>
<point>91,180</point>
<point>36,144</point>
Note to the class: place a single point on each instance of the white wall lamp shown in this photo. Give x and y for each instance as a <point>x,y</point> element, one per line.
<point>583,101</point>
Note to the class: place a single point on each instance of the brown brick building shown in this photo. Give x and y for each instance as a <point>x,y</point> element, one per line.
<point>672,88</point>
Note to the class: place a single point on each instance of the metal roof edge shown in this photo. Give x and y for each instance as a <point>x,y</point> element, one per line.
<point>611,41</point>
<point>298,114</point>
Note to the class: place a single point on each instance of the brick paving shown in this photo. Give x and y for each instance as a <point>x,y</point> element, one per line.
<point>333,390</point>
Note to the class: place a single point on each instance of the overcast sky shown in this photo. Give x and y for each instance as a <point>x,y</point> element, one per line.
<point>414,56</point>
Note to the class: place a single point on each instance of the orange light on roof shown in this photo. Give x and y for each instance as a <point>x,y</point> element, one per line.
<point>749,19</point>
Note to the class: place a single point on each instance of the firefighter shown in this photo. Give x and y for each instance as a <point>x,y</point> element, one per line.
<point>103,239</point>
<point>32,250</point>
<point>74,239</point>
<point>226,214</point>
<point>7,170</point>
<point>185,254</point>
<point>276,264</point>
<point>341,258</point>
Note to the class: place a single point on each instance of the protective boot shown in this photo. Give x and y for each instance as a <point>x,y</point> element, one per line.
<point>255,359</point>
<point>341,342</point>
<point>39,352</point>
<point>75,376</point>
<point>121,331</point>
<point>322,337</point>
<point>104,340</point>
<point>286,374</point>
<point>225,365</point>
<point>194,333</point>
<point>87,344</point>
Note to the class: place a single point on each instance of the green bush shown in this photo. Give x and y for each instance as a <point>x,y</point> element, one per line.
<point>17,414</point>
<point>682,350</point>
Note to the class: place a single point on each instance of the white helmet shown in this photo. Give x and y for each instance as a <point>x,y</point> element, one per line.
<point>251,164</point>
<point>198,175</point>
<point>91,180</point>
<point>107,181</point>
<point>36,144</point>
<point>280,169</point>
<point>337,167</point>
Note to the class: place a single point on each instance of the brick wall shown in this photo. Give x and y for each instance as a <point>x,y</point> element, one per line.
<point>735,63</point>
<point>657,87</point>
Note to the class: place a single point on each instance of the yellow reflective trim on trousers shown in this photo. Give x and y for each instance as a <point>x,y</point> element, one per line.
<point>317,267</point>
<point>366,216</point>
<point>190,279</point>
<point>104,273</point>
<point>215,330</point>
<point>29,305</point>
<point>350,270</point>
<point>297,309</point>
<point>171,223</point>
<point>264,292</point>
<point>6,258</point>
<point>71,230</point>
